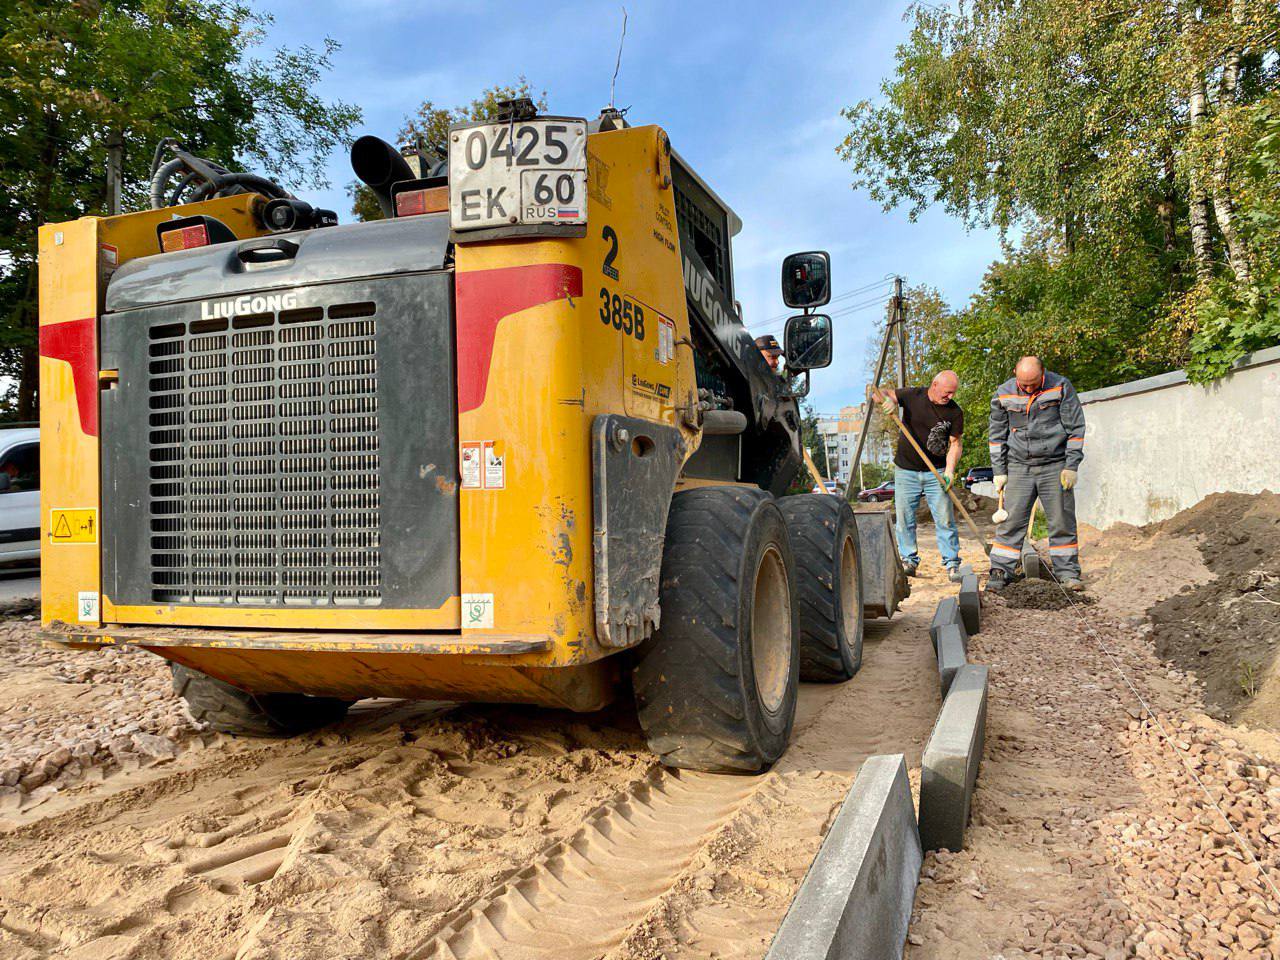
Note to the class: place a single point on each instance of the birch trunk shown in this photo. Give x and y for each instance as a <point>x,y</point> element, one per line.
<point>1224,208</point>
<point>1201,241</point>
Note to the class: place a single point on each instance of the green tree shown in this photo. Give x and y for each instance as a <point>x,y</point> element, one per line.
<point>1232,321</point>
<point>1115,140</point>
<point>73,74</point>
<point>427,128</point>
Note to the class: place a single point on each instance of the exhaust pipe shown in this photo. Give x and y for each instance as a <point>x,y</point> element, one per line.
<point>379,165</point>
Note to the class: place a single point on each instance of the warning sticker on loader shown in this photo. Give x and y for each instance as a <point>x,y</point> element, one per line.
<point>73,526</point>
<point>495,468</point>
<point>470,465</point>
<point>477,611</point>
<point>87,606</point>
<point>482,467</point>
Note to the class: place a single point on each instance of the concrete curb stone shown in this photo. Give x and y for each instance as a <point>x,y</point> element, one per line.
<point>948,611</point>
<point>951,653</point>
<point>856,899</point>
<point>952,758</point>
<point>1032,565</point>
<point>970,604</point>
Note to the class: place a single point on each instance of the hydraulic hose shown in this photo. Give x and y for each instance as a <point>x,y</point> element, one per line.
<point>201,180</point>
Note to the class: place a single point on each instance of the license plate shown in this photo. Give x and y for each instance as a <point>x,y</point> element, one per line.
<point>517,173</point>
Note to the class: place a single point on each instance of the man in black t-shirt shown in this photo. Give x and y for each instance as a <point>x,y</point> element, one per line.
<point>937,423</point>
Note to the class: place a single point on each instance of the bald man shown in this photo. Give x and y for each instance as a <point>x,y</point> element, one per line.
<point>1036,434</point>
<point>937,423</point>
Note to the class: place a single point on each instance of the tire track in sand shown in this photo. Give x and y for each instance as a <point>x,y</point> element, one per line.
<point>574,898</point>
<point>640,871</point>
<point>733,895</point>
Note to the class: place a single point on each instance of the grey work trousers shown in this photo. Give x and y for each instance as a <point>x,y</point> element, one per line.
<point>1025,485</point>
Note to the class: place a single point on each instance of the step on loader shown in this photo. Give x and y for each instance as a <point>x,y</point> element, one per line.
<point>511,442</point>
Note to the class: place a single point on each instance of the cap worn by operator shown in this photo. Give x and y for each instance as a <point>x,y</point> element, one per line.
<point>768,346</point>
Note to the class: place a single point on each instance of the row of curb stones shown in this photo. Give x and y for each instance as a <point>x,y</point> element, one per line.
<point>953,753</point>
<point>856,899</point>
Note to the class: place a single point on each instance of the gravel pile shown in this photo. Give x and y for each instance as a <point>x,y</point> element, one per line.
<point>69,716</point>
<point>1192,889</point>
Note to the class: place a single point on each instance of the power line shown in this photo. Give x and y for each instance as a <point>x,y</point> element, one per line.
<point>843,296</point>
<point>843,312</point>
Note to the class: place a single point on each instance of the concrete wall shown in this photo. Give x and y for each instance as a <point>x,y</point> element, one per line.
<point>1157,446</point>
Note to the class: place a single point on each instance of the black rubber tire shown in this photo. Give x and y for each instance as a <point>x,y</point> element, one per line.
<point>820,526</point>
<point>695,679</point>
<point>229,709</point>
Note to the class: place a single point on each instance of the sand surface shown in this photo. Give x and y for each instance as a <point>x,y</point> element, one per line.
<point>418,830</point>
<point>414,830</point>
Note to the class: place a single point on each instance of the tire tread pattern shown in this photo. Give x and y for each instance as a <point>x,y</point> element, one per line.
<point>813,521</point>
<point>686,678</point>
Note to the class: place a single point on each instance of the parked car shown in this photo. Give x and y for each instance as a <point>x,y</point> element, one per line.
<point>877,494</point>
<point>828,486</point>
<point>978,475</point>
<point>19,494</point>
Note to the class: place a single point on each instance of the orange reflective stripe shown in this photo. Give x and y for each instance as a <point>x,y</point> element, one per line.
<point>1065,546</point>
<point>1042,393</point>
<point>1001,548</point>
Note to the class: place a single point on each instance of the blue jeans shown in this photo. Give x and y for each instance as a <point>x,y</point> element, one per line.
<point>908,487</point>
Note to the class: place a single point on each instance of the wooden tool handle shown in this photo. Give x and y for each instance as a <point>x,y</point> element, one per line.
<point>951,493</point>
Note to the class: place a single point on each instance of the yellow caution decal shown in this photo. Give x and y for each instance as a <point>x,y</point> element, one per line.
<point>73,526</point>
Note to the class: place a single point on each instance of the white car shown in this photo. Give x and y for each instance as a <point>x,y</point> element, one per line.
<point>19,494</point>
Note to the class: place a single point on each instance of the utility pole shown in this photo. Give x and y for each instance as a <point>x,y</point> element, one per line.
<point>900,306</point>
<point>115,172</point>
<point>897,318</point>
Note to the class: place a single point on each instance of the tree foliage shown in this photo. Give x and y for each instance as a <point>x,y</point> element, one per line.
<point>427,128</point>
<point>1122,150</point>
<point>73,74</point>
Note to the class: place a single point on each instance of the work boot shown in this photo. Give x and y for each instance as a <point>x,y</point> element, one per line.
<point>910,568</point>
<point>954,574</point>
<point>997,581</point>
<point>1073,584</point>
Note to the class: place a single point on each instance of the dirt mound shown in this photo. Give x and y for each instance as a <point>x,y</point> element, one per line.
<point>1226,630</point>
<point>1130,569</point>
<point>1040,595</point>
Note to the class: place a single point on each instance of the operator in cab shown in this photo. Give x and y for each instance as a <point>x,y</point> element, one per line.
<point>769,348</point>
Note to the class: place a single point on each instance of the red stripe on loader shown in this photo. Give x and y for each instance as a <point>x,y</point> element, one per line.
<point>485,298</point>
<point>76,342</point>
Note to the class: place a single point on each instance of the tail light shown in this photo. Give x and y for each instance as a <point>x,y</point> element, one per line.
<point>412,197</point>
<point>186,233</point>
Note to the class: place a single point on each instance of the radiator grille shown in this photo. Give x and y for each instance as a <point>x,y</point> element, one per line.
<point>263,459</point>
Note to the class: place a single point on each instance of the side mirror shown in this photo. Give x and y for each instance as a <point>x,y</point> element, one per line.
<point>806,280</point>
<point>808,342</point>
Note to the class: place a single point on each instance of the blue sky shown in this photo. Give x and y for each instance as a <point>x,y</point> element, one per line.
<point>750,93</point>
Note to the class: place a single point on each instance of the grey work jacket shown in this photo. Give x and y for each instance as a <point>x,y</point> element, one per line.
<point>1036,429</point>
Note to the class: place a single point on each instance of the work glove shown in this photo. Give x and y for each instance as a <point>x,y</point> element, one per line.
<point>1000,480</point>
<point>948,478</point>
<point>1068,479</point>
<point>889,408</point>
